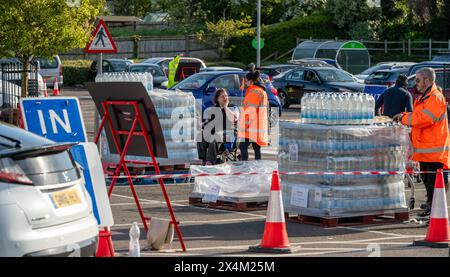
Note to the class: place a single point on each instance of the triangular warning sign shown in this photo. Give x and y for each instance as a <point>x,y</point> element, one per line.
<point>101,41</point>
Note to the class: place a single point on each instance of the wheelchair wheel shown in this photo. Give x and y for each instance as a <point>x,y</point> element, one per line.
<point>412,203</point>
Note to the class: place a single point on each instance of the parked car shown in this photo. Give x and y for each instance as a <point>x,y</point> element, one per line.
<point>385,77</point>
<point>204,84</point>
<point>51,69</point>
<point>328,61</point>
<point>220,68</point>
<point>440,78</point>
<point>292,84</point>
<point>413,69</point>
<point>115,65</point>
<point>310,63</point>
<point>163,62</point>
<point>383,66</point>
<point>158,75</point>
<point>275,69</point>
<point>45,209</point>
<point>442,57</point>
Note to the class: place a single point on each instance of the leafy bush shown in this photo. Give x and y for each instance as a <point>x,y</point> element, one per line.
<point>75,72</point>
<point>281,37</point>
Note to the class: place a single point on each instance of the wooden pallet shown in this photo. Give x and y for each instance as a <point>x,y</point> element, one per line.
<point>328,222</point>
<point>238,206</point>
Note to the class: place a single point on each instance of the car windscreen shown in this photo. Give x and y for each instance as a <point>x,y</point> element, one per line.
<point>379,75</point>
<point>155,71</point>
<point>193,82</point>
<point>330,75</point>
<point>48,63</point>
<point>119,65</point>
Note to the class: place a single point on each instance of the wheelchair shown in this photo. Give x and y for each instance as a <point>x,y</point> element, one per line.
<point>228,150</point>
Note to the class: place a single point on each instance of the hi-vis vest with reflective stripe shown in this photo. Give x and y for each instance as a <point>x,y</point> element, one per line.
<point>430,137</point>
<point>173,65</point>
<point>253,123</point>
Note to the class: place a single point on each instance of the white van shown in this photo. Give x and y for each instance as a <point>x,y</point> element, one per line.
<point>51,69</point>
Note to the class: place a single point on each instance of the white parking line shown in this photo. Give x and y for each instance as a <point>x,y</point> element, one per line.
<point>366,229</point>
<point>194,207</point>
<point>145,202</point>
<point>362,241</point>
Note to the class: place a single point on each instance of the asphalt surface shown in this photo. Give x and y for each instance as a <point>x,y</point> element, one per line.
<point>219,233</point>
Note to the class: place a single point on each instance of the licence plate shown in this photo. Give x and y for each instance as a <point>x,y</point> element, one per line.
<point>65,198</point>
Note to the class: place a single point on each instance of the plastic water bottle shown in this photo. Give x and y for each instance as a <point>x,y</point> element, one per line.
<point>134,247</point>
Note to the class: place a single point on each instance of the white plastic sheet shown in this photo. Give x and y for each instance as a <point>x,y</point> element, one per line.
<point>244,186</point>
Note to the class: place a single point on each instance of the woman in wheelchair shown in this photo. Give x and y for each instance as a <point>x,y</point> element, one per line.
<point>219,130</point>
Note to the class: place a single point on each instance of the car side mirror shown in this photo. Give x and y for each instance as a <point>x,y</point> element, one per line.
<point>210,90</point>
<point>316,81</point>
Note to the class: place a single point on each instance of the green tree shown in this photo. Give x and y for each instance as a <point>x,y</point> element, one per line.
<point>187,15</point>
<point>45,28</point>
<point>137,8</point>
<point>223,30</point>
<point>355,17</point>
<point>295,8</point>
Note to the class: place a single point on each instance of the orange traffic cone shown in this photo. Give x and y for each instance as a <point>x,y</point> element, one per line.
<point>275,238</point>
<point>45,88</point>
<point>56,88</point>
<point>438,235</point>
<point>105,246</point>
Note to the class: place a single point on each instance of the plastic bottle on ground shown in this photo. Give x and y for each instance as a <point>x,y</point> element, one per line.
<point>134,247</point>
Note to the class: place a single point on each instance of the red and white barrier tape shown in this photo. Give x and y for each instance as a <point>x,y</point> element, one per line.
<point>183,176</point>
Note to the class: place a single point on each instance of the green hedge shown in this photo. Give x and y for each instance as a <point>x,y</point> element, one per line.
<point>281,37</point>
<point>75,72</point>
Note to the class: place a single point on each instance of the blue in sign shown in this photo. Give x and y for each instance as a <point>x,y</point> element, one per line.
<point>58,119</point>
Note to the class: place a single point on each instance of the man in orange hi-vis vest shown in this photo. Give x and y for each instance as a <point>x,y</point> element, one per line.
<point>253,125</point>
<point>429,131</point>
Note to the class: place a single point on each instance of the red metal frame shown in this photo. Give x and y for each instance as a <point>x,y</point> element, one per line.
<point>123,162</point>
<point>183,75</point>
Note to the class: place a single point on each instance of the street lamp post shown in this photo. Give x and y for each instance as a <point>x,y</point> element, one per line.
<point>258,34</point>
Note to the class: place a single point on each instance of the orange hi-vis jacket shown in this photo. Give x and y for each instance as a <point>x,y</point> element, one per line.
<point>429,132</point>
<point>253,123</point>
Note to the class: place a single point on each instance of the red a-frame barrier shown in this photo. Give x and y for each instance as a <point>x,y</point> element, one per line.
<point>137,121</point>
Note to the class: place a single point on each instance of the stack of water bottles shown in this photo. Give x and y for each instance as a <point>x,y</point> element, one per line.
<point>336,145</point>
<point>338,108</point>
<point>177,115</point>
<point>145,78</point>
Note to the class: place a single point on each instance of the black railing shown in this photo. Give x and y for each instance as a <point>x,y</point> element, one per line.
<point>11,81</point>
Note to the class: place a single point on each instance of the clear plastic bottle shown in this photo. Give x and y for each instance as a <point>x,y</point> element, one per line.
<point>134,247</point>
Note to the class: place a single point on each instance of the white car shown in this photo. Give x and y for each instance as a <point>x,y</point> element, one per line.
<point>45,209</point>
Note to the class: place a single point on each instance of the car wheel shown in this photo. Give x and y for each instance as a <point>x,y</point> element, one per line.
<point>283,99</point>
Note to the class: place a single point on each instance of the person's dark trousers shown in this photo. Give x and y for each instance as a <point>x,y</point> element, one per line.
<point>212,152</point>
<point>430,178</point>
<point>243,146</point>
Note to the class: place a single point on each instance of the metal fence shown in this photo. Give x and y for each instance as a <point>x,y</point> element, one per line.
<point>11,81</point>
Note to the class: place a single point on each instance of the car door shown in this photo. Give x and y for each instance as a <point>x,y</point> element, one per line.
<point>295,85</point>
<point>312,82</point>
<point>229,83</point>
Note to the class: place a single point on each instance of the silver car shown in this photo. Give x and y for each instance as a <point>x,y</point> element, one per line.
<point>45,209</point>
<point>51,69</point>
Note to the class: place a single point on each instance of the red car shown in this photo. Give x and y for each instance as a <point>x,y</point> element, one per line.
<point>442,81</point>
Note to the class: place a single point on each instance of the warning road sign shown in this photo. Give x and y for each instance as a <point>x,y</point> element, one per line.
<point>101,41</point>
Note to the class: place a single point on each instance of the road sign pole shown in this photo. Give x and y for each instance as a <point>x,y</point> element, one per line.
<point>99,64</point>
<point>258,31</point>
